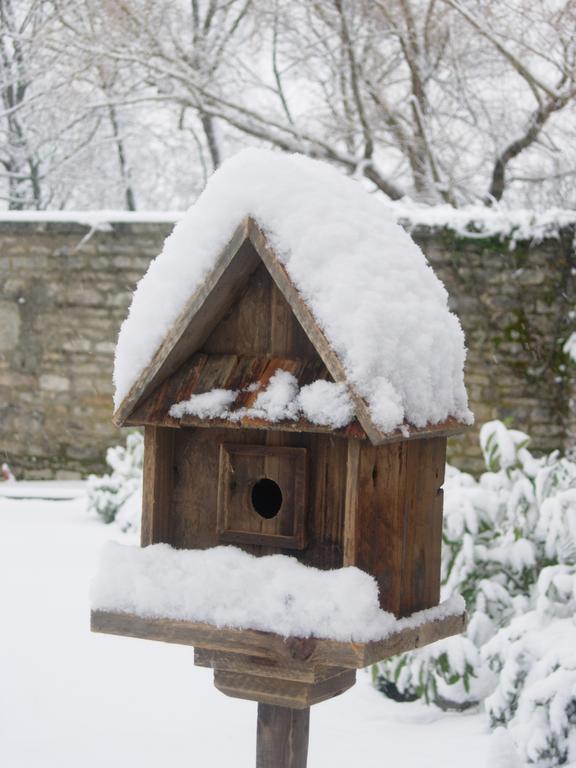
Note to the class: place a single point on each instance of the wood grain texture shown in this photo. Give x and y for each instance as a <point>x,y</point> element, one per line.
<point>260,322</point>
<point>280,692</point>
<point>298,671</point>
<point>425,467</point>
<point>282,737</point>
<point>398,515</point>
<point>157,487</point>
<point>275,648</point>
<point>195,494</point>
<point>351,522</point>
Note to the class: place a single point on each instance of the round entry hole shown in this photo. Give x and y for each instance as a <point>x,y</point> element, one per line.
<point>266,498</point>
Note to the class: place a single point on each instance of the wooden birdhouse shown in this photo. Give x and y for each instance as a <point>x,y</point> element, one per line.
<point>296,400</point>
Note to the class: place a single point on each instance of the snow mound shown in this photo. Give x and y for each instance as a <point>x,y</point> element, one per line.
<point>321,402</point>
<point>366,282</point>
<point>227,587</point>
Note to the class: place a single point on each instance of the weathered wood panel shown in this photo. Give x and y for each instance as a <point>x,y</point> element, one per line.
<point>195,494</point>
<point>280,692</point>
<point>256,665</point>
<point>425,467</point>
<point>282,737</point>
<point>273,647</point>
<point>260,323</point>
<point>396,527</point>
<point>157,486</point>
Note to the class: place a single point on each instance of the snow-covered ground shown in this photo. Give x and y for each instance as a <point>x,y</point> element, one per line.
<point>69,699</point>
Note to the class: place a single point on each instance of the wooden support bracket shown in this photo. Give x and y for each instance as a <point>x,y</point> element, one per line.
<point>286,676</point>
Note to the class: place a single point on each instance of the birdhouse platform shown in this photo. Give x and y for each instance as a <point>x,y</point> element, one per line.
<point>268,668</point>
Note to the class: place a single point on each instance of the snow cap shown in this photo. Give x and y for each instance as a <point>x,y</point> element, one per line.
<point>367,284</point>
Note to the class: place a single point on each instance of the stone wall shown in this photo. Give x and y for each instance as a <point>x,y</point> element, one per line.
<point>516,304</point>
<point>65,288</point>
<point>64,291</point>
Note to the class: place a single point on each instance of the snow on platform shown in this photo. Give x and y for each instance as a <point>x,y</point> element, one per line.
<point>228,587</point>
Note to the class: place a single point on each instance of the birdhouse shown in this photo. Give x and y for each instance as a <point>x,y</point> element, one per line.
<point>297,372</point>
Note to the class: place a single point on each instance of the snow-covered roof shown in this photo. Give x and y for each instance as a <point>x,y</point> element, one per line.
<point>368,286</point>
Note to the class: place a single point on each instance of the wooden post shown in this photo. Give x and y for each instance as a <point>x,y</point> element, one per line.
<point>282,737</point>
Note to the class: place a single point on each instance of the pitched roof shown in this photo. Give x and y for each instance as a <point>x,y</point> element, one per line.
<point>359,286</point>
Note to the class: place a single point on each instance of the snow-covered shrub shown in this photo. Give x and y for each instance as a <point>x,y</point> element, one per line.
<point>510,550</point>
<point>535,661</point>
<point>116,496</point>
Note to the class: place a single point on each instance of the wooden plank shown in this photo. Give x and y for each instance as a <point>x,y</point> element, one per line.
<point>157,486</point>
<point>422,541</point>
<point>351,511</point>
<point>180,386</point>
<point>273,647</point>
<point>260,322</point>
<point>413,637</point>
<point>353,430</point>
<point>380,517</point>
<point>254,665</point>
<point>399,512</point>
<point>206,307</point>
<point>245,329</point>
<point>280,692</point>
<point>282,737</point>
<point>195,496</point>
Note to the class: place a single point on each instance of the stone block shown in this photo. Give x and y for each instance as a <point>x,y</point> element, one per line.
<point>9,326</point>
<point>53,383</point>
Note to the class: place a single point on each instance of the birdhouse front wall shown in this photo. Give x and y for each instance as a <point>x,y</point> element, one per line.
<point>217,472</point>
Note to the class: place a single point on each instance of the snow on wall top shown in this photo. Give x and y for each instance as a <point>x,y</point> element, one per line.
<point>478,221</point>
<point>366,282</point>
<point>469,221</point>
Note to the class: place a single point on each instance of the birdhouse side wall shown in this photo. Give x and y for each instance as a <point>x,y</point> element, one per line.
<point>393,524</point>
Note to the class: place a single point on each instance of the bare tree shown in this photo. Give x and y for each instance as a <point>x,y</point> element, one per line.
<point>18,158</point>
<point>538,42</point>
<point>441,100</point>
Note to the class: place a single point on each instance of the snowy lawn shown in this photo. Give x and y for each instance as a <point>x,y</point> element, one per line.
<point>69,699</point>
